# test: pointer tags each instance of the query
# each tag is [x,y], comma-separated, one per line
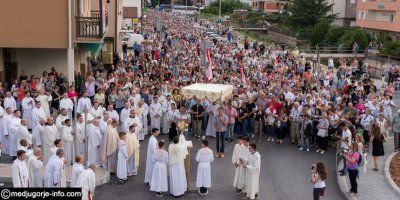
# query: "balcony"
[91,28]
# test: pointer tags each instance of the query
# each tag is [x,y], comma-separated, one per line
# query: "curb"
[387,172]
[344,188]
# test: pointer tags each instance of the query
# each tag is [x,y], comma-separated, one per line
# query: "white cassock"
[28,153]
[35,175]
[130,121]
[15,123]
[87,181]
[97,112]
[44,101]
[23,133]
[166,122]
[2,112]
[20,174]
[82,103]
[60,122]
[37,114]
[37,136]
[54,172]
[237,150]
[144,112]
[213,110]
[77,169]
[5,132]
[244,155]
[253,175]
[27,105]
[67,138]
[68,105]
[9,102]
[79,138]
[159,179]
[177,181]
[124,114]
[103,127]
[94,142]
[50,135]
[152,146]
[113,114]
[122,171]
[204,156]
[155,109]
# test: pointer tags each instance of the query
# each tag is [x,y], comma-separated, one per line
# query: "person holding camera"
[319,174]
[352,164]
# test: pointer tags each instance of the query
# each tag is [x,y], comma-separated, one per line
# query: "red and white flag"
[209,75]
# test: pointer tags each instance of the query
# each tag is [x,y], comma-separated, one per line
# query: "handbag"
[321,133]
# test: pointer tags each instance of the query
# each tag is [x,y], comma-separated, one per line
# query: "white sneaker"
[301,148]
[269,139]
[272,140]
[318,151]
[308,150]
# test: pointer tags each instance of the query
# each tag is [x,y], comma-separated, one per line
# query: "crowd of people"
[278,96]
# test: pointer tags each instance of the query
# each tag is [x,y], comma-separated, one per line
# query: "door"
[10,67]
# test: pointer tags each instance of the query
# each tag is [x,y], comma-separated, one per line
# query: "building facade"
[379,17]
[270,6]
[39,34]
[345,11]
[132,15]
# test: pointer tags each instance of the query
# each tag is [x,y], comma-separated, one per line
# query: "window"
[391,17]
[363,1]
[352,1]
[361,15]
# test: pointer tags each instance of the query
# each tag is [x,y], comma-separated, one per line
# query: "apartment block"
[270,6]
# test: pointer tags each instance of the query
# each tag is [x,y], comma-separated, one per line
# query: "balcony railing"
[91,26]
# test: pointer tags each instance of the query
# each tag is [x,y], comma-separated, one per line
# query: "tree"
[392,48]
[227,7]
[334,34]
[319,32]
[354,35]
[309,12]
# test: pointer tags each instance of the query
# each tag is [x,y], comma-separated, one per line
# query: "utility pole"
[220,8]
[318,59]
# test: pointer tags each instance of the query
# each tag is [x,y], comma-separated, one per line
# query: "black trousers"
[318,192]
[353,173]
[203,190]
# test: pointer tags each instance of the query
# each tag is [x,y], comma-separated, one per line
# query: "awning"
[93,48]
[212,92]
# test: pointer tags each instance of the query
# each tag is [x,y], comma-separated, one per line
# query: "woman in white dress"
[213,111]
[204,156]
[44,100]
[159,179]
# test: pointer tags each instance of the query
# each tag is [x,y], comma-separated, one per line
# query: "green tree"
[392,48]
[334,34]
[306,13]
[354,35]
[319,32]
[227,7]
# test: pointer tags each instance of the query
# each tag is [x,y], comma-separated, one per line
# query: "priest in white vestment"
[35,164]
[113,114]
[236,155]
[122,172]
[204,156]
[110,147]
[55,170]
[151,147]
[125,112]
[166,108]
[155,114]
[143,112]
[84,102]
[96,111]
[19,171]
[37,114]
[133,147]
[27,105]
[103,124]
[50,135]
[38,133]
[244,156]
[2,112]
[60,120]
[87,181]
[15,123]
[23,133]
[67,104]
[9,102]
[177,154]
[94,143]
[44,99]
[77,169]
[159,179]
[80,136]
[253,166]
[5,139]
[67,137]
[133,119]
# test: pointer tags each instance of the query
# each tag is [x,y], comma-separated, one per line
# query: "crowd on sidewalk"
[278,97]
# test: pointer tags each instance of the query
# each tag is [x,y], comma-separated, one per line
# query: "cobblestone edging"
[387,172]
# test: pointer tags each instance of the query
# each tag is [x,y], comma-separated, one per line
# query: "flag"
[209,75]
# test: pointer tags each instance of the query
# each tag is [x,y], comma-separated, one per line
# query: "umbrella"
[136,38]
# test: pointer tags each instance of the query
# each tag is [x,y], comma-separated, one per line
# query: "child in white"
[159,179]
[204,157]
[122,171]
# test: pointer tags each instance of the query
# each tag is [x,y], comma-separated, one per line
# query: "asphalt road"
[285,175]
